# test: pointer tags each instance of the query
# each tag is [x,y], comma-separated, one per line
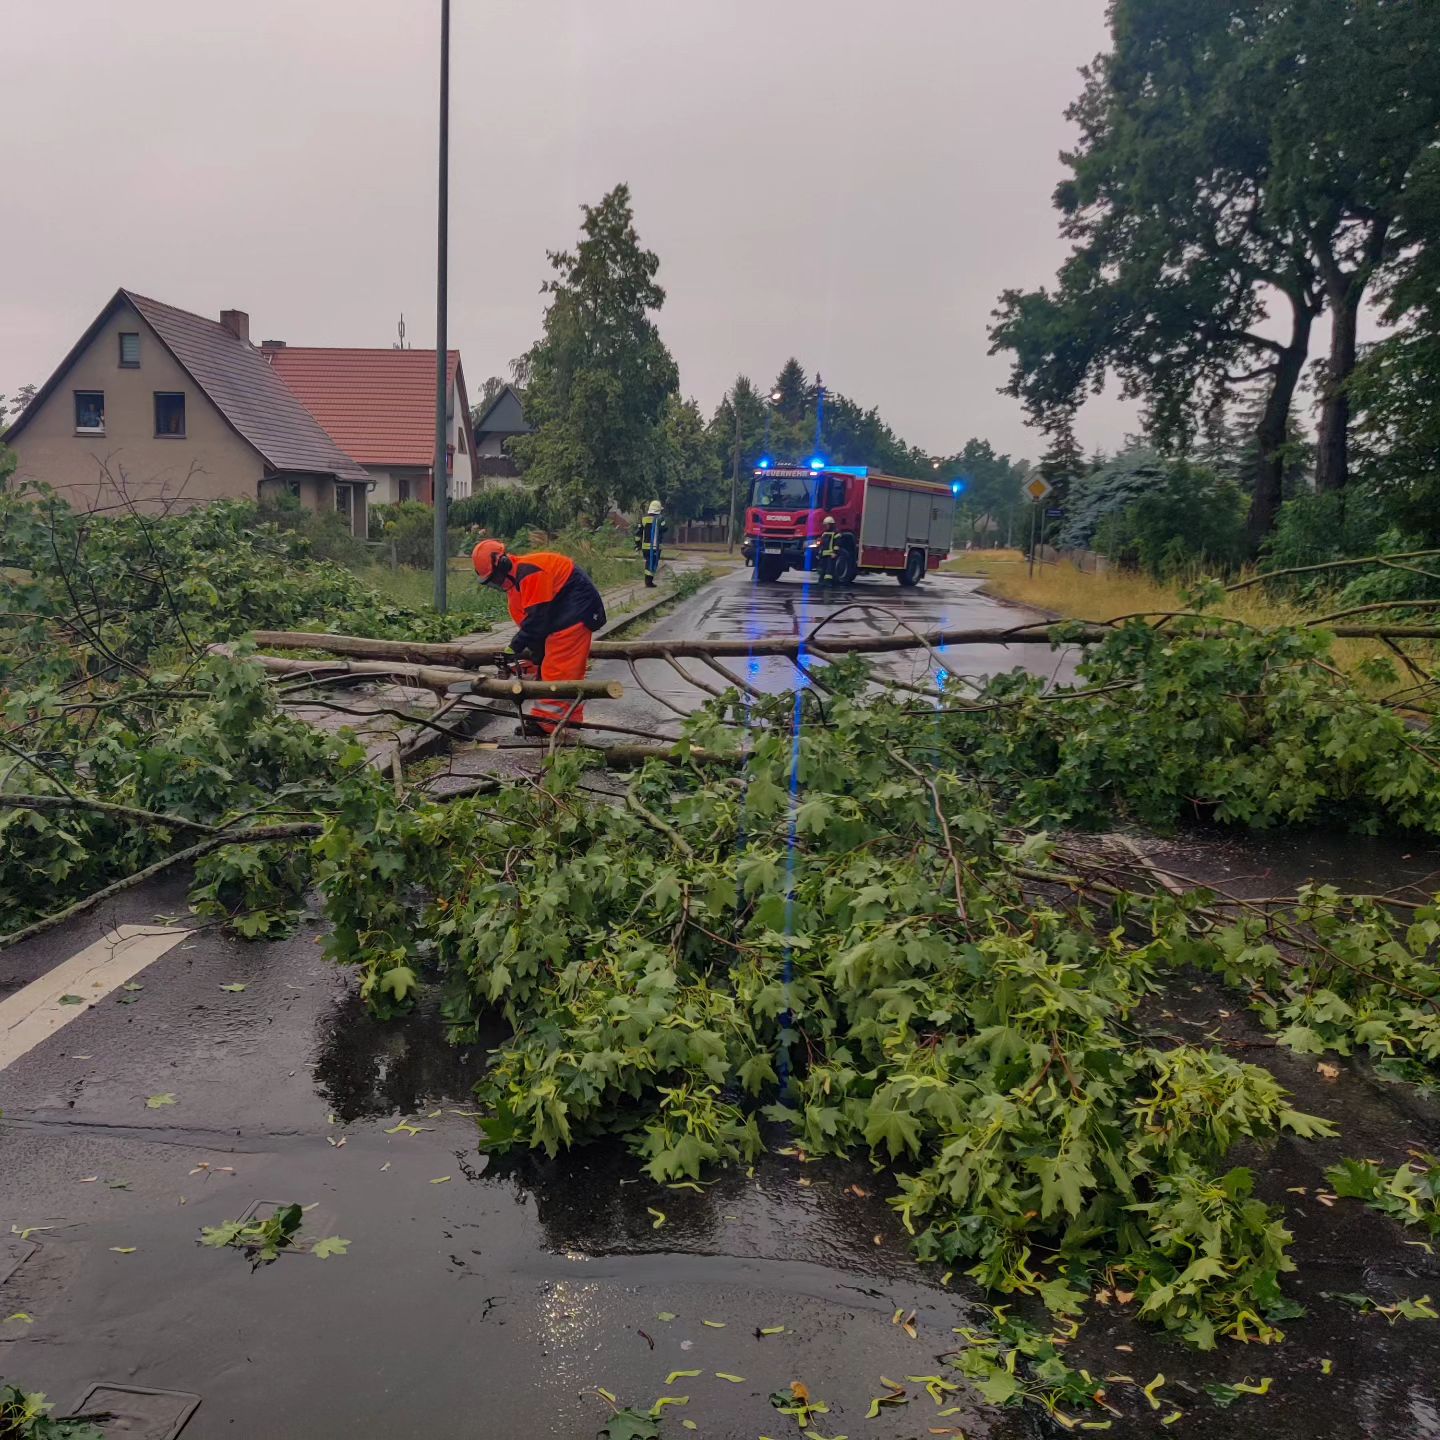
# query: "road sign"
[1037,487]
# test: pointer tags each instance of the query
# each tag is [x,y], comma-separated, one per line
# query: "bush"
[327,533]
[409,527]
[1192,520]
[1108,491]
[506,512]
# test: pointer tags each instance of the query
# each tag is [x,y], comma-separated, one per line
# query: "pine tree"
[600,375]
[792,385]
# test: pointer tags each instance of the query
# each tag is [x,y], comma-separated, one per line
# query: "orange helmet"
[490,560]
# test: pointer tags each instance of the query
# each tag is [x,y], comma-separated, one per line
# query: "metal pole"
[734,477]
[1034,506]
[440,486]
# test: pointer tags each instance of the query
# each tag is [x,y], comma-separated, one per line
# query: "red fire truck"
[887,525]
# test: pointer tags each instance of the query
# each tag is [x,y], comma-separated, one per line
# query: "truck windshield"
[788,492]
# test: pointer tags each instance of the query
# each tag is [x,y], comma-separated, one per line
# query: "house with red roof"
[379,407]
[155,408]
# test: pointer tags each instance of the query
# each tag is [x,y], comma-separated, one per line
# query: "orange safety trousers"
[567,657]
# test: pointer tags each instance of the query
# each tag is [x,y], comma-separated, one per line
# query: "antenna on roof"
[401,328]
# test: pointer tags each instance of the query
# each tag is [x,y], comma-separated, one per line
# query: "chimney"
[237,322]
[272,344]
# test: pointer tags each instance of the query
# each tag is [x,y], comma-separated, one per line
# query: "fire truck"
[887,524]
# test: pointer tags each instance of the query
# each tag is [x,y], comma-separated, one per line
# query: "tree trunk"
[1332,452]
[1272,431]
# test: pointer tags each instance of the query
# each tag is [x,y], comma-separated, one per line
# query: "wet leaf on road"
[72,999]
[157,1102]
[21,1316]
[330,1245]
[733,1379]
[132,986]
[666,1315]
[441,1180]
[770,1330]
[675,1375]
[406,1128]
[124,1249]
[660,1217]
[91,1179]
[235,988]
[30,1230]
[714,1324]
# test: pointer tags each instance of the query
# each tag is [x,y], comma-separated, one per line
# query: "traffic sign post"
[1037,488]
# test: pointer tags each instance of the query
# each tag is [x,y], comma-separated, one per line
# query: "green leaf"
[72,1000]
[399,982]
[330,1245]
[234,989]
[158,1102]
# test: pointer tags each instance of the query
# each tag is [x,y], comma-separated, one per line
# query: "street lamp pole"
[440,484]
[734,475]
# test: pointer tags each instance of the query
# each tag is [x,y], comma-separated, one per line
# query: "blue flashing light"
[764,462]
[817,462]
[957,487]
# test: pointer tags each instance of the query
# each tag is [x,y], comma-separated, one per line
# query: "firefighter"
[829,550]
[649,531]
[558,609]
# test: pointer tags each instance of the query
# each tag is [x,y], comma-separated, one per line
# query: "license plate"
[774,549]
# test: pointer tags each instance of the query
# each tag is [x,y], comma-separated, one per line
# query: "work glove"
[506,663]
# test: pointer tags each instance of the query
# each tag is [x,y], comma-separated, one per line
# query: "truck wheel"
[768,569]
[914,571]
[846,567]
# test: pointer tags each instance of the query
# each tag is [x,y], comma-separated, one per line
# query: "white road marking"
[35,1013]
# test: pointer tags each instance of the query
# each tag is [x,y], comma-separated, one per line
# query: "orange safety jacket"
[551,593]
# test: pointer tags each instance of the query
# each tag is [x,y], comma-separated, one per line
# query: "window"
[461,433]
[345,503]
[129,350]
[169,414]
[89,412]
[402,490]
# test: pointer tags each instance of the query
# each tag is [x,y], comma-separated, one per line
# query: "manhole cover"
[138,1411]
[313,1224]
[13,1254]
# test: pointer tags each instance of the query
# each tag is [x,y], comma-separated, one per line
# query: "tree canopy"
[599,377]
[1235,156]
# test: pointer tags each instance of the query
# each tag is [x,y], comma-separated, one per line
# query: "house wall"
[319,493]
[209,462]
[460,439]
[387,483]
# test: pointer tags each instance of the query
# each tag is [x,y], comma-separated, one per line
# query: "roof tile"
[233,373]
[378,404]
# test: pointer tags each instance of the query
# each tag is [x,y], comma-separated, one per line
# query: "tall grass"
[1063,589]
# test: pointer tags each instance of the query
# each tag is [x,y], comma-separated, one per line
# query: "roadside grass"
[1064,589]
[608,561]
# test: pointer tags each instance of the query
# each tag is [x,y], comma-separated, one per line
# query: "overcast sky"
[849,181]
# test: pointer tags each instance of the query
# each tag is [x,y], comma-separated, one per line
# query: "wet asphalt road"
[488,1300]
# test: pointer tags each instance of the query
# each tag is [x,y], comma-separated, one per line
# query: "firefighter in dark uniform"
[829,550]
[649,532]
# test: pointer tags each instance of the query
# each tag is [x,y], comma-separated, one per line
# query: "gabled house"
[159,408]
[379,406]
[501,420]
